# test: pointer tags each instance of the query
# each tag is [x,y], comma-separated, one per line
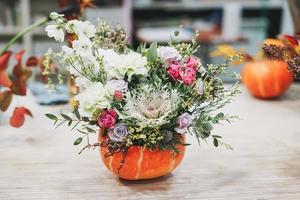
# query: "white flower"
[71,26]
[151,106]
[116,85]
[82,29]
[83,45]
[117,66]
[86,28]
[168,54]
[134,63]
[67,50]
[55,15]
[92,98]
[56,32]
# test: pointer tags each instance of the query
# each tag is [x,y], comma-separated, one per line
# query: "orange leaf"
[19,56]
[4,58]
[18,117]
[32,61]
[4,79]
[19,88]
[5,99]
[18,67]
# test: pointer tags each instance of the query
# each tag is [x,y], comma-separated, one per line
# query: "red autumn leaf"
[19,56]
[19,88]
[5,99]
[4,78]
[18,117]
[4,58]
[291,39]
[17,68]
[32,61]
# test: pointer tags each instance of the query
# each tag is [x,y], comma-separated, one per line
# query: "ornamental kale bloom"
[183,121]
[118,133]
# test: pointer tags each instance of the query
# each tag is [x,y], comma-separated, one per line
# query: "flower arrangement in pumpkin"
[140,102]
[263,75]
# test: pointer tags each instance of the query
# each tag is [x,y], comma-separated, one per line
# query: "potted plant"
[142,102]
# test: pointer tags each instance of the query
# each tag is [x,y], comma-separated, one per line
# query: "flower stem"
[23,32]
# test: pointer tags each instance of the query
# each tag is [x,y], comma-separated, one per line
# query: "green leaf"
[76,113]
[90,130]
[216,136]
[51,116]
[152,52]
[66,117]
[85,119]
[77,141]
[70,123]
[216,142]
[220,115]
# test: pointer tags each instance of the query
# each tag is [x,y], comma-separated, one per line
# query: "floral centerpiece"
[141,103]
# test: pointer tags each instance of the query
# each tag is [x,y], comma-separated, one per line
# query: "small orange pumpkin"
[141,163]
[267,78]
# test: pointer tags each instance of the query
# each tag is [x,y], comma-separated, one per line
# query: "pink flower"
[118,95]
[188,80]
[188,75]
[107,119]
[173,70]
[192,62]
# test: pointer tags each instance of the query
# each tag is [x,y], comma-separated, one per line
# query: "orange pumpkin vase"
[140,163]
[267,79]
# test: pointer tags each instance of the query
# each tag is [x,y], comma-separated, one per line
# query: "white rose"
[56,32]
[168,54]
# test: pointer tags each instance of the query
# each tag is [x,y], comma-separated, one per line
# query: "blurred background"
[241,23]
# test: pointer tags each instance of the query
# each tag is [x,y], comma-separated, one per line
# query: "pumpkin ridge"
[139,163]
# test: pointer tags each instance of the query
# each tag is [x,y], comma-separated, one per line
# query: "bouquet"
[141,102]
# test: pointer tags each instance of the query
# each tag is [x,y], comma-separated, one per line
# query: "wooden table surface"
[38,162]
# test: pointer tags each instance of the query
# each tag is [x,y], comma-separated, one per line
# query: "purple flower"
[168,54]
[119,132]
[183,121]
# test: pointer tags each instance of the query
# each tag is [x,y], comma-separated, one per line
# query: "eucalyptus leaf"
[51,116]
[77,141]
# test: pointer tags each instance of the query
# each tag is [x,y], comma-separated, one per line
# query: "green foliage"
[152,52]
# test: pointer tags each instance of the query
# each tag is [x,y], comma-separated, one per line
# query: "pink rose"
[118,95]
[188,80]
[188,75]
[107,119]
[173,70]
[192,62]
